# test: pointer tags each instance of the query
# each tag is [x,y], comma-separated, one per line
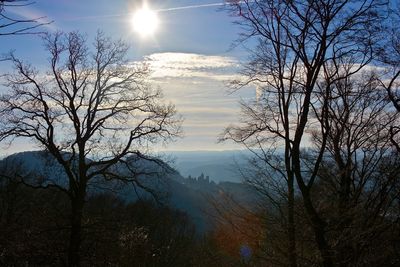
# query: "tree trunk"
[318,226]
[323,247]
[345,253]
[76,231]
[291,224]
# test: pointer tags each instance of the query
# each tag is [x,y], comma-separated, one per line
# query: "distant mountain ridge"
[220,166]
[191,195]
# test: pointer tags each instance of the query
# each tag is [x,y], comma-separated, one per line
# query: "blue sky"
[190,54]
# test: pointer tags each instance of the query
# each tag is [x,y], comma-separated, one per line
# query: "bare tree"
[91,110]
[357,178]
[297,39]
[12,25]
[388,58]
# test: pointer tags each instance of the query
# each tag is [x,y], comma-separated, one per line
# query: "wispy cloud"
[195,84]
[190,65]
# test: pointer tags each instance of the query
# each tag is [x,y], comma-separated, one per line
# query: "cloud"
[195,84]
[190,65]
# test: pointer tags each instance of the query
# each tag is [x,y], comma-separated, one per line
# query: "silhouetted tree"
[297,40]
[387,50]
[90,111]
[357,178]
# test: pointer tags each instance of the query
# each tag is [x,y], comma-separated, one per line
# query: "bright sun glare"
[145,21]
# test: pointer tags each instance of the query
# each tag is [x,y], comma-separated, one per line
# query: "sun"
[145,21]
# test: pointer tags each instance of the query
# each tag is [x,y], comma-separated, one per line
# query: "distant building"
[204,180]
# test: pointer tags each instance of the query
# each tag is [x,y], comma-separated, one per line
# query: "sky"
[190,54]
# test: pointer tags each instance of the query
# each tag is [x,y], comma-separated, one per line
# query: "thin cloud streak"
[200,6]
[156,10]
[189,7]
